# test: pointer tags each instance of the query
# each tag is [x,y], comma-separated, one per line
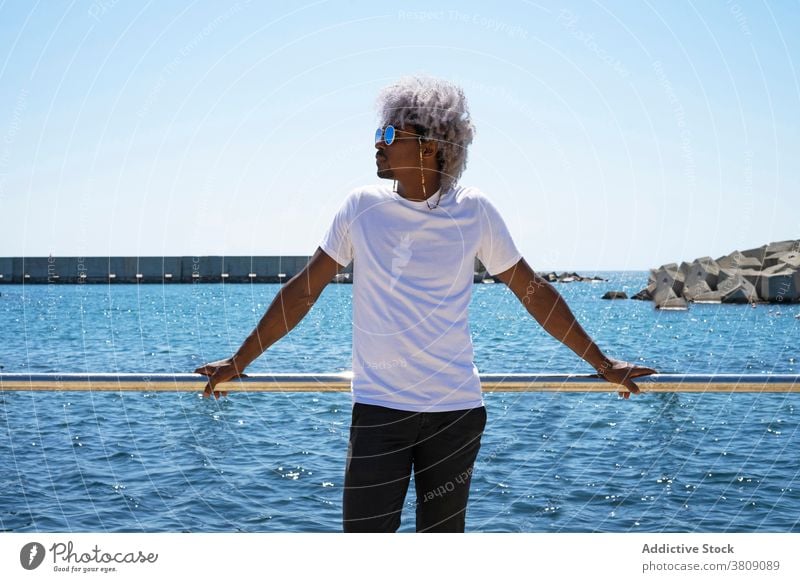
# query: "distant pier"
[187,269]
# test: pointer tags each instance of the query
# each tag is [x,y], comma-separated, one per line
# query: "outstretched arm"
[548,308]
[288,308]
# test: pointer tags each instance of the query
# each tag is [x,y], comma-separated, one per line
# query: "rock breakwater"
[767,274]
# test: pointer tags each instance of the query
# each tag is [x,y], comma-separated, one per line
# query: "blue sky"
[611,135]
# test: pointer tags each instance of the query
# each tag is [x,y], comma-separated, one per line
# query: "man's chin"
[386,174]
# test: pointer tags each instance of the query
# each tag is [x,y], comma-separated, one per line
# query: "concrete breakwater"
[769,273]
[185,269]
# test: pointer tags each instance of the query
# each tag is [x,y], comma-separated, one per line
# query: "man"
[416,391]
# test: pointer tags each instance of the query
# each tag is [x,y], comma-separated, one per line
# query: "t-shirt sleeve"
[496,250]
[337,243]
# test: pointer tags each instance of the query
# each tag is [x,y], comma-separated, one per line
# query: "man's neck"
[416,192]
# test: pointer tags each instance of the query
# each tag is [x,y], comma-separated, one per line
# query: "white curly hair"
[438,110]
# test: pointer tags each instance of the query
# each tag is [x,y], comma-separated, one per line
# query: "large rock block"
[669,282]
[738,260]
[789,259]
[671,302]
[736,289]
[702,275]
[757,254]
[778,285]
[615,295]
[710,297]
[646,294]
[752,276]
[797,284]
[783,246]
[698,288]
[726,273]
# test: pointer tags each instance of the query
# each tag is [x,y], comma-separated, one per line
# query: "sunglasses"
[386,134]
[389,133]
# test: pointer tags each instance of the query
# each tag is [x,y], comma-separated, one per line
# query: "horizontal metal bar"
[341,383]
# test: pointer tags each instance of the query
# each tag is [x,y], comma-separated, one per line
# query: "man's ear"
[429,148]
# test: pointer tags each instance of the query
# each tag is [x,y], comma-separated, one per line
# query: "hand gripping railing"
[341,383]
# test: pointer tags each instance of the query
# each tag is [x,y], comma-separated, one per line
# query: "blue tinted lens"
[385,133]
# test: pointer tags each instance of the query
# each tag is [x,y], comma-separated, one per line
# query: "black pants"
[386,443]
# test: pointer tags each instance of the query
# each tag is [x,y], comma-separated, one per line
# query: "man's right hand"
[218,372]
[288,307]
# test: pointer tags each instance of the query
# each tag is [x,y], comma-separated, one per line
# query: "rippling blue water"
[274,462]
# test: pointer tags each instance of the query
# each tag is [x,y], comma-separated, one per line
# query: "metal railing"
[341,383]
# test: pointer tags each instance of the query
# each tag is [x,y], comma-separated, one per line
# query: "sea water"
[549,462]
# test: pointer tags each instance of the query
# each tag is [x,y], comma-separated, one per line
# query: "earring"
[422,175]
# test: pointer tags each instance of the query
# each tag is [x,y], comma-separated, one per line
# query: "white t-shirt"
[412,284]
